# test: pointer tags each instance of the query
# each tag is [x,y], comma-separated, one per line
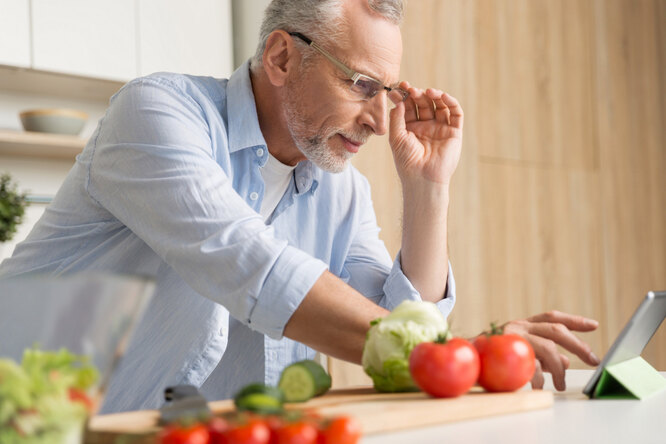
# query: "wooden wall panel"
[534,60]
[559,201]
[631,84]
[540,242]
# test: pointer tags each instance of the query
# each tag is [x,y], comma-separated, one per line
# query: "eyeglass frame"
[353,75]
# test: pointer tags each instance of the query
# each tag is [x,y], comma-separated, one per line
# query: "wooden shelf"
[40,145]
[32,81]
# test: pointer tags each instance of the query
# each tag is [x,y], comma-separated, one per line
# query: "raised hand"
[426,135]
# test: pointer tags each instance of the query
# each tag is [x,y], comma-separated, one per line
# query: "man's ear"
[280,56]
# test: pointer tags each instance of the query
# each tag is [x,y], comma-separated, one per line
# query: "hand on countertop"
[545,332]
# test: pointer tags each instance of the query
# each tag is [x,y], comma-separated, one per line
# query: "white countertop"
[573,419]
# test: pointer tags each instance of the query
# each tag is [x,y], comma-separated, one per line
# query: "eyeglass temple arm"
[348,71]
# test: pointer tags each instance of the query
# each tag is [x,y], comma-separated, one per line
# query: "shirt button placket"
[254,195]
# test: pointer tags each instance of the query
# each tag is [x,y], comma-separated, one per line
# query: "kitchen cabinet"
[15,33]
[192,37]
[117,40]
[92,38]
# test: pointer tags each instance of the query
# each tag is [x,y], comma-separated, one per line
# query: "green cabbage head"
[390,340]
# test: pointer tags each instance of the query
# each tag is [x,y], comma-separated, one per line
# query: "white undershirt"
[276,176]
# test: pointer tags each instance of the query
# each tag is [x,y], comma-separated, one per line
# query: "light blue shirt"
[169,186]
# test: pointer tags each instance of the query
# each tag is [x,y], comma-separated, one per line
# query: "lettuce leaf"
[391,339]
[35,404]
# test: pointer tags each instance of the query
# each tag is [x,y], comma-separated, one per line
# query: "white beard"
[315,146]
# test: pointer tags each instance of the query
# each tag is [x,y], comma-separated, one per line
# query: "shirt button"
[254,196]
[260,152]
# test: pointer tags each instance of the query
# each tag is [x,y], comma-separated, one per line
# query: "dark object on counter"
[183,401]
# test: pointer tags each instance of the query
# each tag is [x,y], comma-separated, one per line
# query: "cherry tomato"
[253,431]
[217,429]
[196,433]
[444,370]
[299,432]
[507,362]
[340,430]
[274,423]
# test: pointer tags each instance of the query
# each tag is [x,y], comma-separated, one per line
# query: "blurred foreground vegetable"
[293,427]
[44,399]
[390,340]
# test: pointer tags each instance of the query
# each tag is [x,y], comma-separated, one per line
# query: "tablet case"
[630,379]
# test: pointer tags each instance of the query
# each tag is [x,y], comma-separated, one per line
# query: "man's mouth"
[351,145]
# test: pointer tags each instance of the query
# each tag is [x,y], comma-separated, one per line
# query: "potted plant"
[12,208]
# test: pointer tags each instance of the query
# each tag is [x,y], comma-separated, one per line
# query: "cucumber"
[303,380]
[259,398]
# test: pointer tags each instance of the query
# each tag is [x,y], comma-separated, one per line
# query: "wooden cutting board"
[377,412]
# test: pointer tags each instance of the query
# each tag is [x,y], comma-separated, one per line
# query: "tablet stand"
[630,379]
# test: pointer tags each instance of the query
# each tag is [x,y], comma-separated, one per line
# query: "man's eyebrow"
[379,78]
[376,77]
[360,71]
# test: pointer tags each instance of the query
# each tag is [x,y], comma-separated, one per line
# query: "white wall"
[247,16]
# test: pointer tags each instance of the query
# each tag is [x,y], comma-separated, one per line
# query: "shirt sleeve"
[369,269]
[152,169]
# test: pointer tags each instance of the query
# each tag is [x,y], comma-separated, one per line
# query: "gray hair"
[320,20]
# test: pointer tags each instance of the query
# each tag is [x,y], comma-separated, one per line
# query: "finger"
[562,336]
[455,109]
[537,379]
[395,97]
[411,110]
[426,109]
[546,352]
[442,113]
[572,322]
[565,362]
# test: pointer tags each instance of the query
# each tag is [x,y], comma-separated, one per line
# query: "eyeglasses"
[365,86]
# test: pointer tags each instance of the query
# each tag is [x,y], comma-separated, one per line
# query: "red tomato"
[507,362]
[444,370]
[79,395]
[299,432]
[341,430]
[274,423]
[217,429]
[254,431]
[179,434]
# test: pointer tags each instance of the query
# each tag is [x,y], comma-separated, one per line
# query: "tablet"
[634,336]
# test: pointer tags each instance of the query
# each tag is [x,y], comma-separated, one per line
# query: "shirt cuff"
[398,288]
[291,278]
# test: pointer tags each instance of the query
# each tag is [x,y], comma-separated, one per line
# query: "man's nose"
[375,114]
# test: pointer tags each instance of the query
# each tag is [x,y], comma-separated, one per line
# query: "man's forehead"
[372,43]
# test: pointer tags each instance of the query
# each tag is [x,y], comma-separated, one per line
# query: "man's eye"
[366,88]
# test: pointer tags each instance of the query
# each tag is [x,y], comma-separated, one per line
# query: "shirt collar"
[243,123]
[306,176]
[244,131]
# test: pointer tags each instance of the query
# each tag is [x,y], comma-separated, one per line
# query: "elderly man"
[237,197]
